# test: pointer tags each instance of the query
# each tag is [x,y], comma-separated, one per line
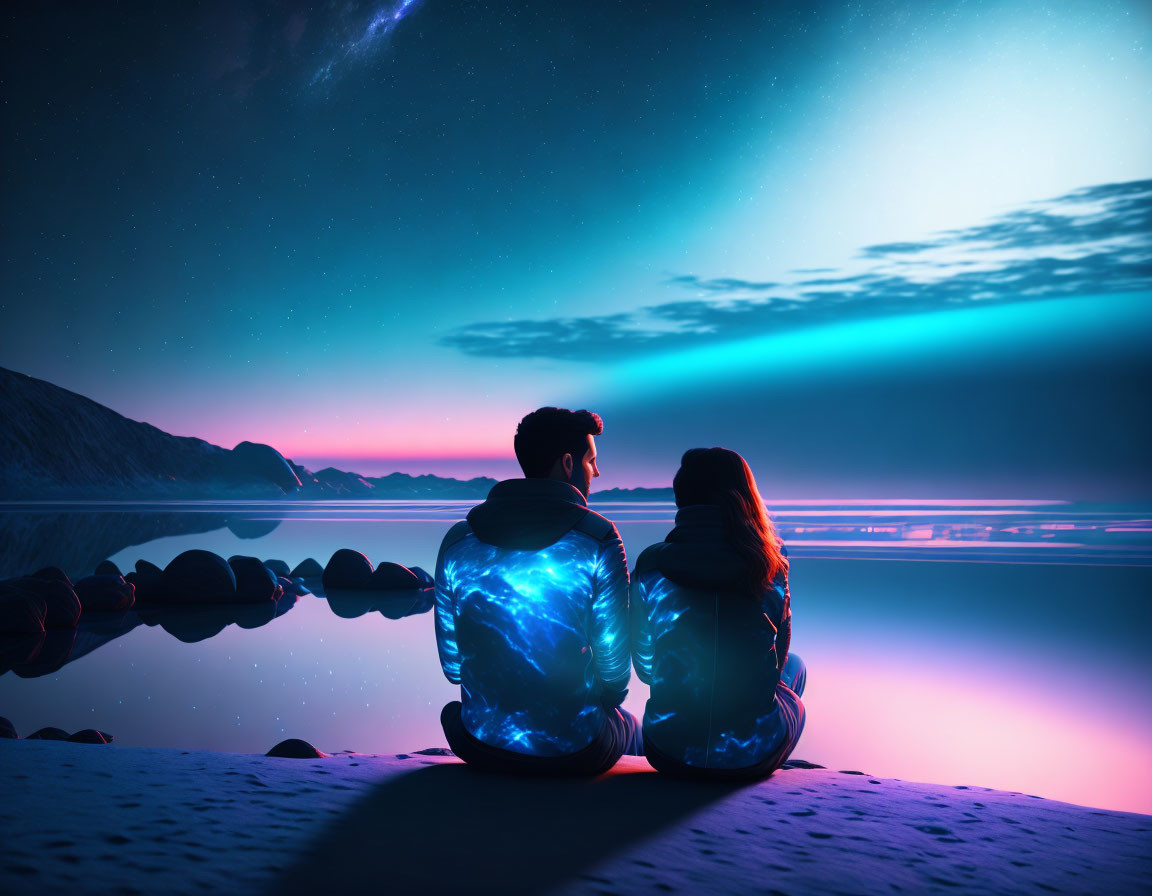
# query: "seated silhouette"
[532,614]
[711,624]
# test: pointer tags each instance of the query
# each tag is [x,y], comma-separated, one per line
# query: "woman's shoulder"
[649,559]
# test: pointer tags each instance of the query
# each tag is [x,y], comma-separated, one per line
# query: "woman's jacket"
[709,649]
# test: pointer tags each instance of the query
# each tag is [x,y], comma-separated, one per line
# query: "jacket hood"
[696,552]
[528,514]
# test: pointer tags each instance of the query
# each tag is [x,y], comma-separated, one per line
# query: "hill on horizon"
[57,444]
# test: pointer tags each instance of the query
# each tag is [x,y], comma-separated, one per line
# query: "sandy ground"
[80,818]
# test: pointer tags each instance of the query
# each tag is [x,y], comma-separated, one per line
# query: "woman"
[711,623]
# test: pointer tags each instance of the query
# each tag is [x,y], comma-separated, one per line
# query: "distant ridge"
[58,445]
[633,494]
[332,483]
[55,444]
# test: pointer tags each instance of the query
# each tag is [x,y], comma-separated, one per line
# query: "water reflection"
[36,655]
[349,604]
[1021,664]
[43,653]
[191,624]
[76,538]
[33,655]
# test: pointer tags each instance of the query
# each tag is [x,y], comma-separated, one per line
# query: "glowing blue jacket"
[710,651]
[532,617]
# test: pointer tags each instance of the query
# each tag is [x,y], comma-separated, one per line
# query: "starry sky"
[881,249]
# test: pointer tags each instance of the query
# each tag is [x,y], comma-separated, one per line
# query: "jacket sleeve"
[641,628]
[446,607]
[784,627]
[610,619]
[784,630]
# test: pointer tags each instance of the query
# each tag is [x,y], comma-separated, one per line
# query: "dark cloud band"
[1092,241]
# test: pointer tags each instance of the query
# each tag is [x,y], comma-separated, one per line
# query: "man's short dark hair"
[547,434]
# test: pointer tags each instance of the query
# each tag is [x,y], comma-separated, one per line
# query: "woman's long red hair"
[722,478]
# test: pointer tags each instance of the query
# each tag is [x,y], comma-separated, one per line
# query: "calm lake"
[1001,644]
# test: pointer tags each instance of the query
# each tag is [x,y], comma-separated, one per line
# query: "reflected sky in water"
[998,645]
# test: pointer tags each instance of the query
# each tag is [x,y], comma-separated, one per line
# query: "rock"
[801,763]
[105,593]
[350,604]
[54,653]
[256,614]
[62,607]
[192,624]
[292,586]
[107,568]
[264,462]
[425,577]
[198,577]
[7,729]
[278,567]
[307,569]
[90,736]
[243,527]
[18,650]
[53,572]
[398,604]
[435,751]
[348,569]
[254,581]
[61,603]
[49,734]
[20,612]
[393,577]
[148,578]
[294,748]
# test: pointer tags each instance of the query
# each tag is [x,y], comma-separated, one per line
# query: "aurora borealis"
[881,249]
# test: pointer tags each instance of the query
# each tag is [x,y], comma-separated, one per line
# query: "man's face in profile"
[585,470]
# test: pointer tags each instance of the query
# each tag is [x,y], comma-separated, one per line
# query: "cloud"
[721,284]
[1092,241]
[1090,214]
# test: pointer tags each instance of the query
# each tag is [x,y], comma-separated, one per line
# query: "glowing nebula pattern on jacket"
[710,657]
[537,639]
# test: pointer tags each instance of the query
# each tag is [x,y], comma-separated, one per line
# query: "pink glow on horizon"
[879,511]
[965,719]
[946,543]
[917,502]
[504,453]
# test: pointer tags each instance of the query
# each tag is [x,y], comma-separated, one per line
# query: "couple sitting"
[535,622]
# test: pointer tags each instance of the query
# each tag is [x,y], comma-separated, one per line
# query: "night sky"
[884,250]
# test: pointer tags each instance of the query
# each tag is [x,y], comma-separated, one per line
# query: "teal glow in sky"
[387,231]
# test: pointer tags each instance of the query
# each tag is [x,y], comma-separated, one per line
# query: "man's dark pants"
[618,735]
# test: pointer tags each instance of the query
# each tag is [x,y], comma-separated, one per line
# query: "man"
[532,614]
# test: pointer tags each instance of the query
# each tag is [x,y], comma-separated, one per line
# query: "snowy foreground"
[82,818]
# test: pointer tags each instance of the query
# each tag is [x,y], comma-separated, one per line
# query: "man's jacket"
[710,650]
[532,617]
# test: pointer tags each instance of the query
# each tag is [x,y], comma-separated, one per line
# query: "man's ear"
[567,463]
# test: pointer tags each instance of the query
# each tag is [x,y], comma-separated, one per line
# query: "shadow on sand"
[448,828]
